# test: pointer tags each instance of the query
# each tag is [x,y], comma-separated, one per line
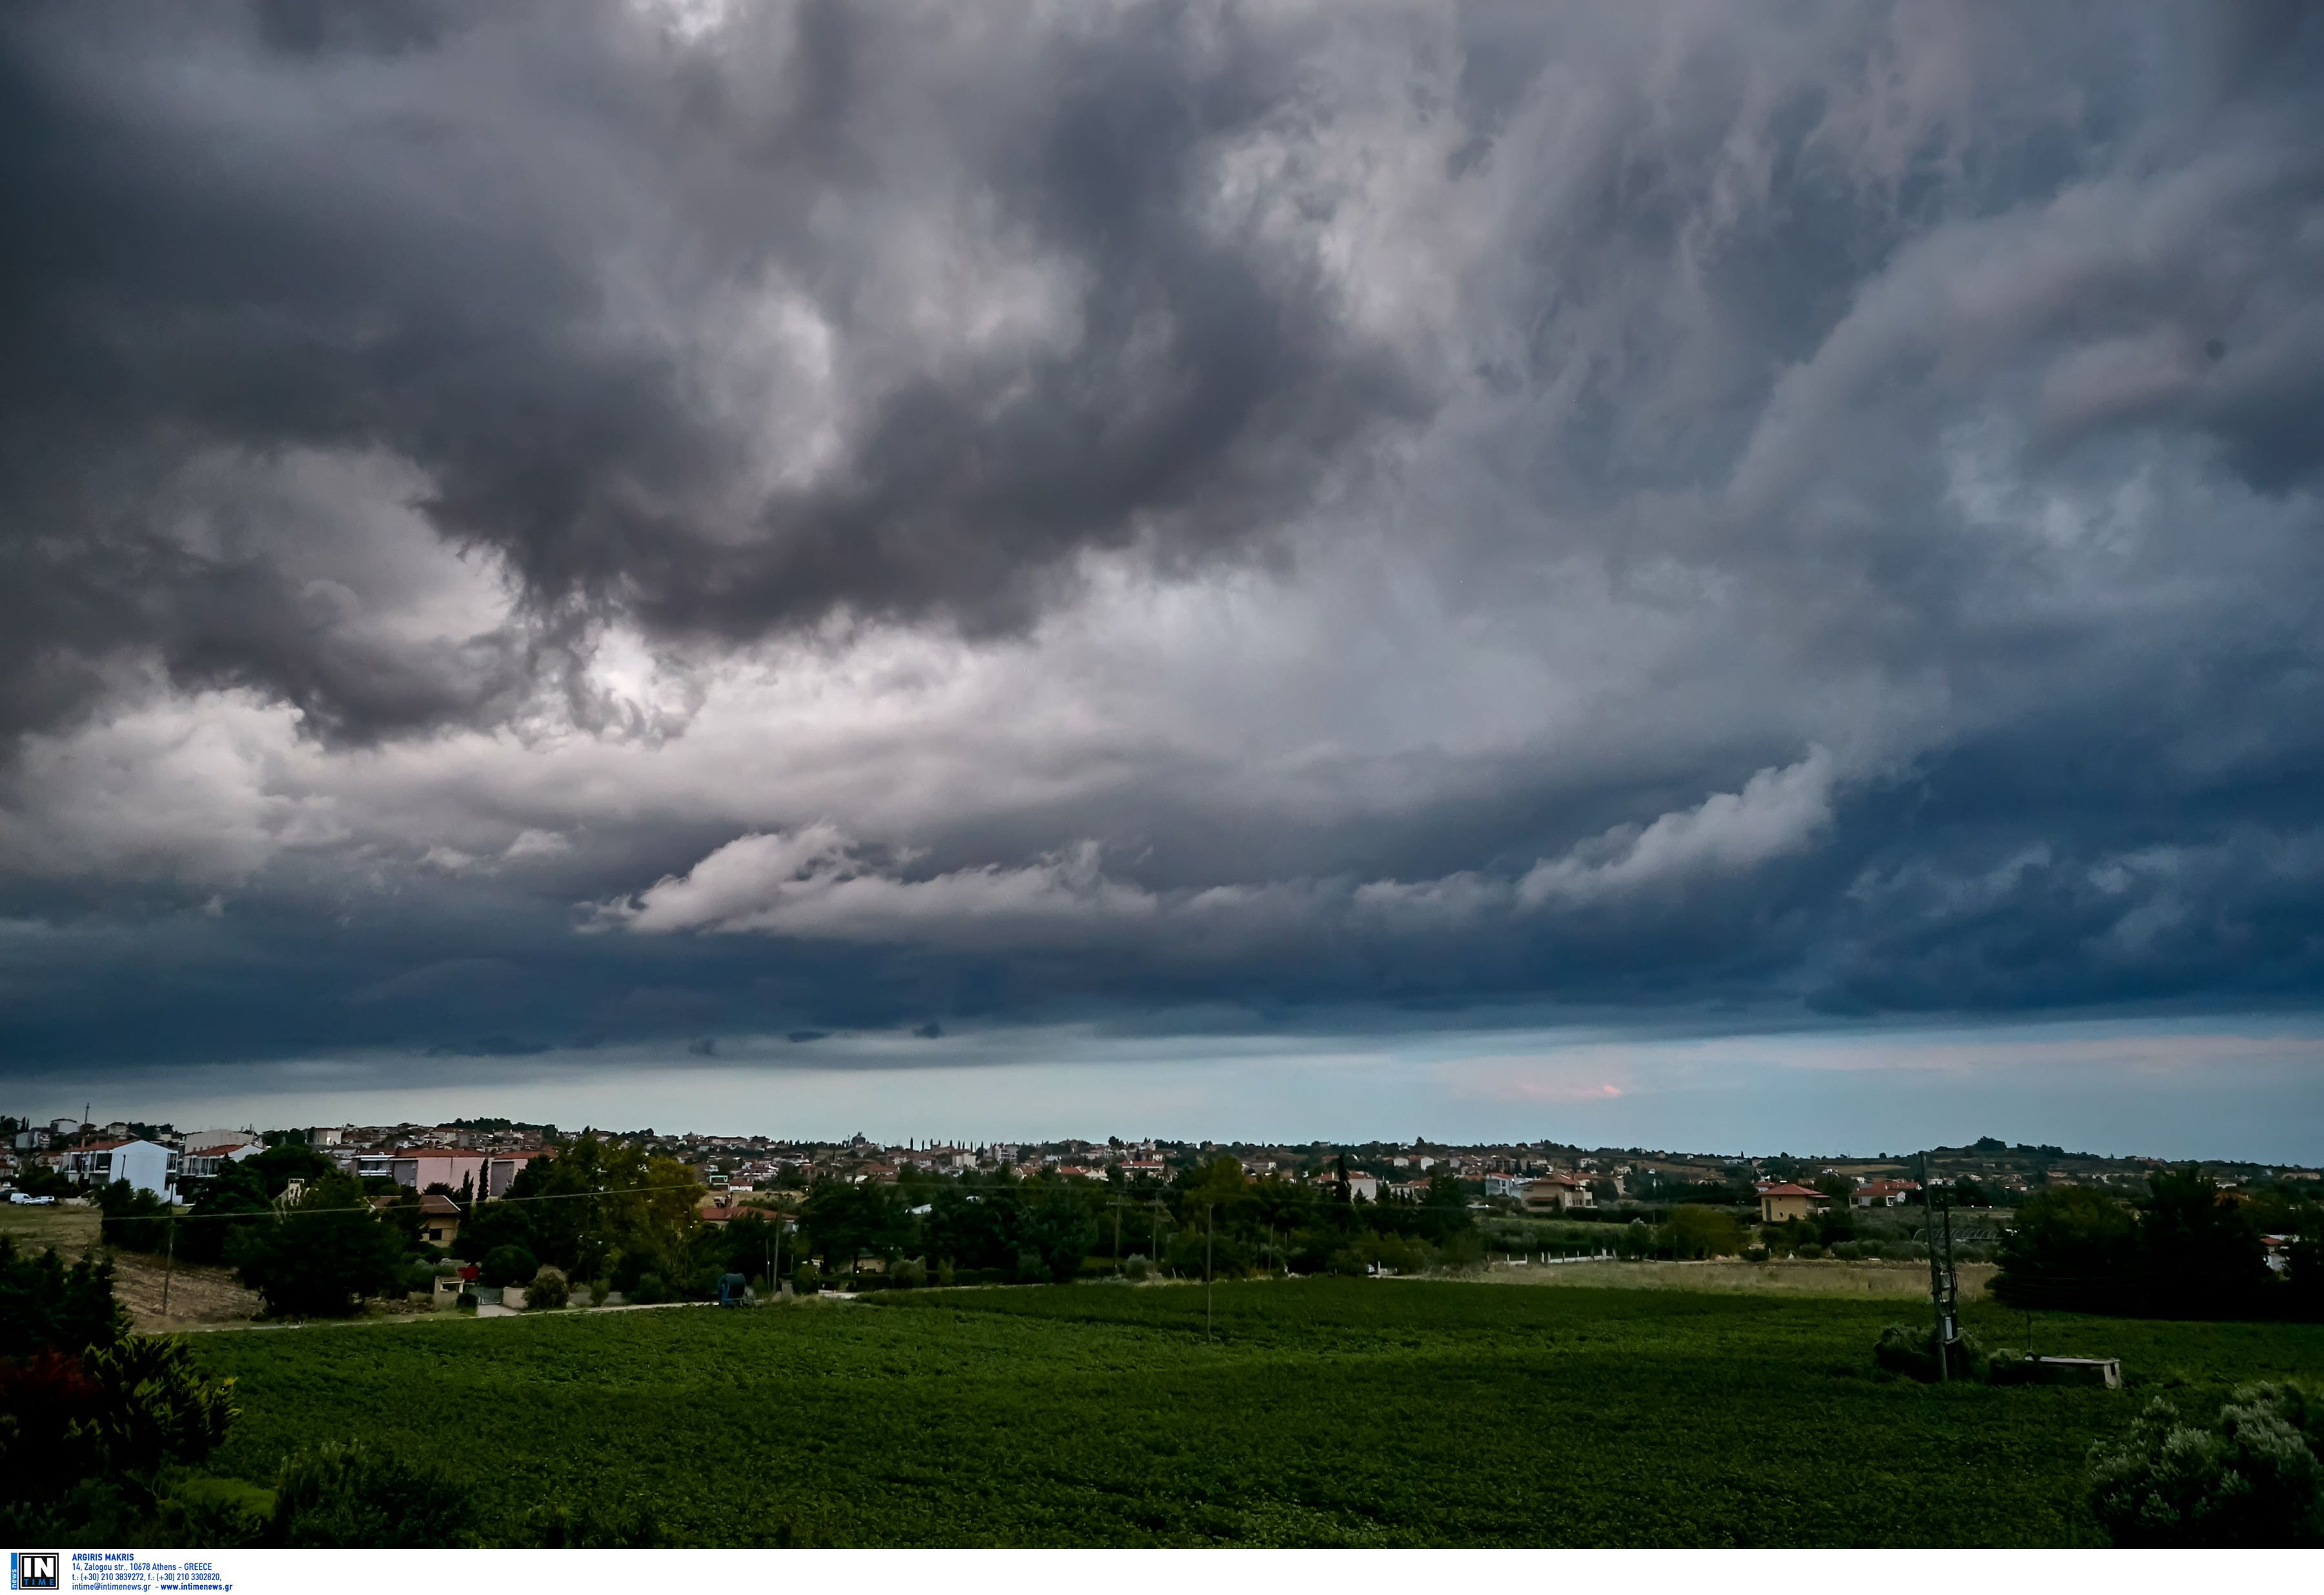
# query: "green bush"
[89,1432]
[508,1265]
[2250,1479]
[1911,1349]
[560,1526]
[649,1290]
[135,1220]
[348,1496]
[45,1305]
[548,1290]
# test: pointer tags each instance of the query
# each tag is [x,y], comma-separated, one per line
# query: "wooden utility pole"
[1943,1284]
[169,1261]
[1209,1228]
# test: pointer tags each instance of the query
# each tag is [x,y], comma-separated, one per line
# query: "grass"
[70,1230]
[1326,1412]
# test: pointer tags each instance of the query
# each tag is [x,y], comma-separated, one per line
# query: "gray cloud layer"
[883,514]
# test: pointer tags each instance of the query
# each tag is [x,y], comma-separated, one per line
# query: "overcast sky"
[1197,569]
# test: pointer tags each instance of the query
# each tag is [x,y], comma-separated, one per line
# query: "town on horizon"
[1999,1173]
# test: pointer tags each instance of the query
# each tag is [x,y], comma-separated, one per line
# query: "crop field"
[1324,1413]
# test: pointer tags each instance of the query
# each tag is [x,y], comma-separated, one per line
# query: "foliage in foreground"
[2249,1478]
[96,1425]
[342,1495]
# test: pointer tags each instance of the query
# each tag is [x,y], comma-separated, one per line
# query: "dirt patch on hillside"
[197,1294]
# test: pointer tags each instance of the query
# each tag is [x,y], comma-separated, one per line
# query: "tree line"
[2185,1250]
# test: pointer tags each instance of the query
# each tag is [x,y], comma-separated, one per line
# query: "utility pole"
[1209,1228]
[1942,1283]
[169,1261]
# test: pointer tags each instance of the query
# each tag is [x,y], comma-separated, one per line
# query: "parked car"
[19,1199]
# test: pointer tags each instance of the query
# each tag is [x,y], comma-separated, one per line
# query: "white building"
[146,1165]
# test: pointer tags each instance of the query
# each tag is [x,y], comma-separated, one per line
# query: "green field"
[1327,1412]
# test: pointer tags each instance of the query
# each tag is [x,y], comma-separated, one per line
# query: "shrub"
[215,1513]
[1463,1249]
[549,1291]
[1138,1266]
[1693,1230]
[2251,1478]
[558,1525]
[45,1305]
[508,1265]
[649,1290]
[351,1497]
[1911,1349]
[1809,1251]
[806,1278]
[135,1220]
[109,1415]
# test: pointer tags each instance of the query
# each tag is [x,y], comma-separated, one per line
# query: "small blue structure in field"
[730,1289]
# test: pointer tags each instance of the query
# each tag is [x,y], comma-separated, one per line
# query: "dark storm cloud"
[1781,506]
[494,245]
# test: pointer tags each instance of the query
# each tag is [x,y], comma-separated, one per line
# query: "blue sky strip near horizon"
[1743,575]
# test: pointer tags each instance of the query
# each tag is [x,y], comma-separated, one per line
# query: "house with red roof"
[1884,1193]
[1778,1202]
